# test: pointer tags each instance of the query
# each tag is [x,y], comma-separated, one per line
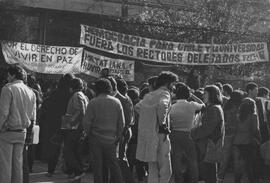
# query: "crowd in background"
[162,131]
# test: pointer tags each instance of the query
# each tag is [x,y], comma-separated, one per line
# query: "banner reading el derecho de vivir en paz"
[172,52]
[43,58]
[92,64]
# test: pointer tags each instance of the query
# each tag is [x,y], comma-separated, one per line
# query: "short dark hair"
[65,81]
[152,81]
[182,91]
[166,77]
[251,86]
[214,94]
[235,100]
[122,86]
[113,83]
[103,86]
[18,72]
[228,88]
[262,91]
[77,84]
[219,85]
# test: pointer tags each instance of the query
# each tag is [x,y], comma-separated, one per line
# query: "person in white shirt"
[182,117]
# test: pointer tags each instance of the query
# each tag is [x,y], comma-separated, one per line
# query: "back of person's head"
[18,72]
[122,86]
[199,93]
[228,89]
[251,86]
[31,80]
[105,72]
[103,86]
[144,85]
[113,83]
[247,108]
[263,92]
[235,99]
[152,81]
[166,77]
[144,92]
[219,85]
[77,84]
[65,81]
[182,91]
[133,95]
[214,94]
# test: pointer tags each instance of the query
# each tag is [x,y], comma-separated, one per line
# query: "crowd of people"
[162,131]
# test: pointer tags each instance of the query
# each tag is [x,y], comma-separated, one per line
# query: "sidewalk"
[40,169]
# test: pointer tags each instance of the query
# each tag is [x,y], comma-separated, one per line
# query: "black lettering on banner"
[88,66]
[163,56]
[179,57]
[237,58]
[64,51]
[195,58]
[24,47]
[225,58]
[145,53]
[34,57]
[261,55]
[231,58]
[139,52]
[72,51]
[46,58]
[11,44]
[206,58]
[190,58]
[125,50]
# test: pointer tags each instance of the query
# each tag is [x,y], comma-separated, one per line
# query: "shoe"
[71,176]
[49,174]
[77,177]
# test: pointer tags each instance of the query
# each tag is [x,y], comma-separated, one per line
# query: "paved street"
[38,176]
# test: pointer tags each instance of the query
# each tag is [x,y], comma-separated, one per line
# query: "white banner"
[172,52]
[43,58]
[92,64]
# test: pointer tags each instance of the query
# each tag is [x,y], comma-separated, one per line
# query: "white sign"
[43,58]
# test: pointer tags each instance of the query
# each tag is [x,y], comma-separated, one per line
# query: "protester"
[183,152]
[210,134]
[18,109]
[104,122]
[153,142]
[247,141]
[231,110]
[53,108]
[74,115]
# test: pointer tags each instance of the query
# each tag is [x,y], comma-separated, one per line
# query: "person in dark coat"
[54,107]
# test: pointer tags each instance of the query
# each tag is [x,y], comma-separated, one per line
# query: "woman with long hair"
[231,119]
[246,141]
[210,134]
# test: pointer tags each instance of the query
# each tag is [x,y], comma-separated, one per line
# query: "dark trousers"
[141,167]
[31,154]
[184,157]
[104,154]
[208,172]
[72,152]
[246,159]
[52,160]
[25,165]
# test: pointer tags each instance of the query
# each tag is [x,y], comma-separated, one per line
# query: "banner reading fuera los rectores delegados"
[172,52]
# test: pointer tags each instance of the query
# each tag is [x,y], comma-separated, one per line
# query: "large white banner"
[172,52]
[43,58]
[92,64]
